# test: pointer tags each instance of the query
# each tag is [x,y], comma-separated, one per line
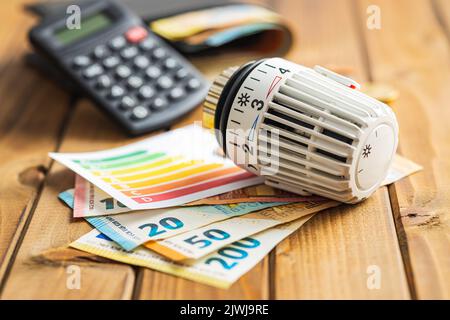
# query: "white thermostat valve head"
[308,131]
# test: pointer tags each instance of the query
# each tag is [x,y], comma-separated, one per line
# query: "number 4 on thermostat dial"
[308,131]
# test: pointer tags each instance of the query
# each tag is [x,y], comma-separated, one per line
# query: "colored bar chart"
[167,170]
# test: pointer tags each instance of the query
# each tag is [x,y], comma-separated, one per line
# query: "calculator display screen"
[88,26]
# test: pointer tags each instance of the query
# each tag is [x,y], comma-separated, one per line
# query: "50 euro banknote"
[132,229]
[197,243]
[200,242]
[220,269]
[92,201]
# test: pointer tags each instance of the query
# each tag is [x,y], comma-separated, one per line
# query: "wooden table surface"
[402,229]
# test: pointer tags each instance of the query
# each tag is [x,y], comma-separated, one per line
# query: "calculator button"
[193,84]
[181,74]
[81,61]
[139,113]
[93,71]
[111,62]
[123,72]
[135,82]
[129,52]
[141,62]
[165,82]
[148,44]
[127,102]
[159,103]
[136,34]
[159,53]
[117,43]
[146,92]
[153,72]
[176,93]
[116,91]
[104,81]
[170,63]
[100,52]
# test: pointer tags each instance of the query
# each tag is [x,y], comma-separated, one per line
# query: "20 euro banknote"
[200,242]
[132,229]
[220,268]
[135,228]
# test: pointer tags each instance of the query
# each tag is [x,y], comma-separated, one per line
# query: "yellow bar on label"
[152,173]
[168,178]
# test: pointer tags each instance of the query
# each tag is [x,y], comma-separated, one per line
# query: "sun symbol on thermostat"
[366,151]
[243,99]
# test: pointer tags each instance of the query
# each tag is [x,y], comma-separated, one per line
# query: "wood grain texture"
[32,114]
[329,257]
[411,51]
[52,226]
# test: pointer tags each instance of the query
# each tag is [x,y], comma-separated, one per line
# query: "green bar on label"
[131,161]
[119,157]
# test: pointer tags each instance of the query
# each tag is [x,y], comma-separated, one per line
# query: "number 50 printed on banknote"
[170,169]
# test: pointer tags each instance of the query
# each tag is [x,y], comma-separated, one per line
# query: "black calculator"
[127,70]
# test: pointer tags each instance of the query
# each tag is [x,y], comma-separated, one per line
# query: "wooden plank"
[33,111]
[329,257]
[411,52]
[51,226]
[253,285]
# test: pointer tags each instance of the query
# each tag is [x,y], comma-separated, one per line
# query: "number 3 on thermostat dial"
[308,131]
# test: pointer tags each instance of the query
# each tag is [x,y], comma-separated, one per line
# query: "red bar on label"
[197,188]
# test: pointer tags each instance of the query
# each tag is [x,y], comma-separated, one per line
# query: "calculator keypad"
[135,74]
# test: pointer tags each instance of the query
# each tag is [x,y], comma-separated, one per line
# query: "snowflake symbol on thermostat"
[243,99]
[366,151]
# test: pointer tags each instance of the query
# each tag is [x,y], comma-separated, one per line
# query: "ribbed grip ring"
[212,98]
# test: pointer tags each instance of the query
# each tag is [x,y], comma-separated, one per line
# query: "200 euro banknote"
[220,268]
[199,242]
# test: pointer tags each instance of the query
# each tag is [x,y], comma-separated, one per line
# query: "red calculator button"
[136,34]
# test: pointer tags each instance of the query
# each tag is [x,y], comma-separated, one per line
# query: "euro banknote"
[92,201]
[126,228]
[135,228]
[67,197]
[219,269]
[130,230]
[259,193]
[199,242]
